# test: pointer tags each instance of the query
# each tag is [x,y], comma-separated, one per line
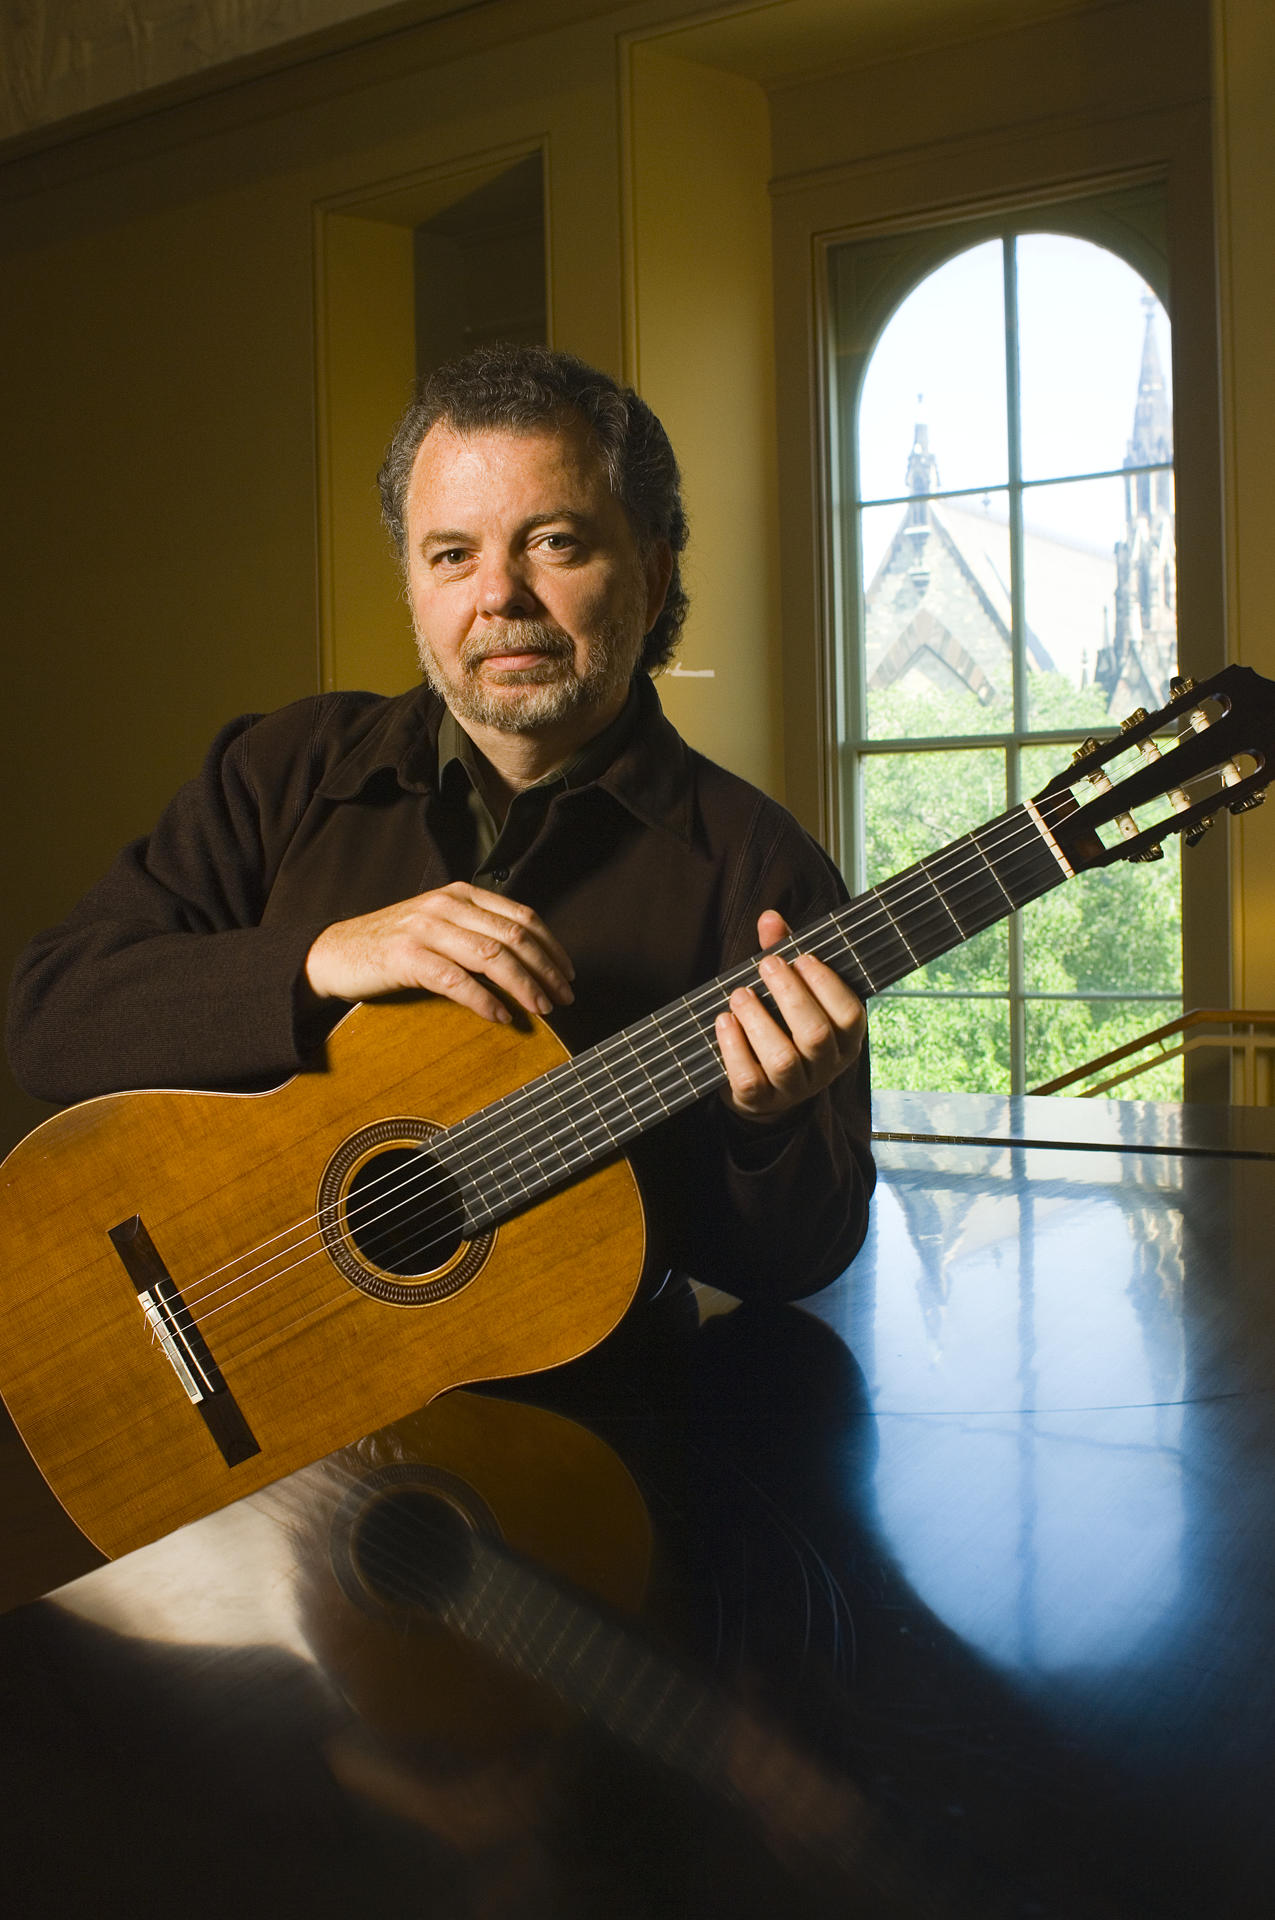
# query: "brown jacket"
[180,967]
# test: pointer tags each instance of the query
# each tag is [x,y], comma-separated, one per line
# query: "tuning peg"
[1135,719]
[1195,834]
[1247,805]
[1152,853]
[1180,684]
[1151,753]
[1084,750]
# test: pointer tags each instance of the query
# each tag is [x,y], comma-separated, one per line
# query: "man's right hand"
[450,942]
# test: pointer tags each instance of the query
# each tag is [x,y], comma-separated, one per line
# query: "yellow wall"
[1244,70]
[701,351]
[365,302]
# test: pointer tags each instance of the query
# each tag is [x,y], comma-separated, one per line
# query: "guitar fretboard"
[539,1137]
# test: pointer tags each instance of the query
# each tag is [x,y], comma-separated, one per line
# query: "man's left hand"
[774,1063]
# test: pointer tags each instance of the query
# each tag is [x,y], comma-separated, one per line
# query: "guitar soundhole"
[392,1218]
[404,1213]
[403,1540]
[414,1549]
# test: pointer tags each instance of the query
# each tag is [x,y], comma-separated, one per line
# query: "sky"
[941,360]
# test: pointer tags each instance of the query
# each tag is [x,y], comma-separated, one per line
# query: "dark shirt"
[182,967]
[474,845]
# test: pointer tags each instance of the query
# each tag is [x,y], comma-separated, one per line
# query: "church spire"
[1151,443]
[923,473]
[923,468]
[1135,667]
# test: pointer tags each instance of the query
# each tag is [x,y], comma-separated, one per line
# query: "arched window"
[1005,567]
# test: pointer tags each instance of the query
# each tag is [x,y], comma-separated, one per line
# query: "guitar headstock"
[1207,749]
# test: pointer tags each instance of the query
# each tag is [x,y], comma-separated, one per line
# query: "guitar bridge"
[185,1348]
[159,1315]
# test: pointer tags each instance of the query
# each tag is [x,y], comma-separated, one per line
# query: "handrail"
[1230,1017]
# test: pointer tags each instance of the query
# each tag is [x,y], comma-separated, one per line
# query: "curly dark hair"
[521,389]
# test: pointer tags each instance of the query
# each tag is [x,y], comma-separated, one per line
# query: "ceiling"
[63,58]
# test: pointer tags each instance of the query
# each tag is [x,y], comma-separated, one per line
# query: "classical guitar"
[204,1292]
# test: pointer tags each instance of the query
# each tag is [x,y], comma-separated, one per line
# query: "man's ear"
[659,571]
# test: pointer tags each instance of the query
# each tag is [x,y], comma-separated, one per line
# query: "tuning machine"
[1232,777]
[1100,780]
[1195,834]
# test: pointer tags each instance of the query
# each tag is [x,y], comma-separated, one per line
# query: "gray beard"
[548,692]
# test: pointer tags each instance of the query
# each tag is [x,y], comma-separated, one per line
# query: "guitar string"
[522,1097]
[1017,832]
[712,991]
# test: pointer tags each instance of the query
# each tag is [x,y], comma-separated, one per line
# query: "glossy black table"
[949,1593]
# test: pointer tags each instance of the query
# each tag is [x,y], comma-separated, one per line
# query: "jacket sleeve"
[770,1211]
[161,975]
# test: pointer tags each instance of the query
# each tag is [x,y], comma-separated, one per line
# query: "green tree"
[1116,930]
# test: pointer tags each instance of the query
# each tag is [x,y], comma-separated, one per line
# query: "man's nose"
[504,589]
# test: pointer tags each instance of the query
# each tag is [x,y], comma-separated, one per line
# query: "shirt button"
[498,876]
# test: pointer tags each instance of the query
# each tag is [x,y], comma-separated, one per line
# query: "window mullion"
[1018,621]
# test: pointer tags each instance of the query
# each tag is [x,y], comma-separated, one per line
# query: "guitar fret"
[942,899]
[899,930]
[587,1151]
[605,1064]
[678,1065]
[991,869]
[602,1121]
[542,1132]
[457,1149]
[892,957]
[646,1079]
[861,977]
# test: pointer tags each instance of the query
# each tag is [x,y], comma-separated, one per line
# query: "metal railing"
[1249,1038]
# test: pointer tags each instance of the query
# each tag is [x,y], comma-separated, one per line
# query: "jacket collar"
[650,775]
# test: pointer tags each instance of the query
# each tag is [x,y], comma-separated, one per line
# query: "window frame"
[1128,222]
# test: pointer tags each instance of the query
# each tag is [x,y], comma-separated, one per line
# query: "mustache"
[531,636]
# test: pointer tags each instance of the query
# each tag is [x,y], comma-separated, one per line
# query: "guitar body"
[311,1342]
[521,1482]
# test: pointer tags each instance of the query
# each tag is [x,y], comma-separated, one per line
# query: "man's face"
[529,594]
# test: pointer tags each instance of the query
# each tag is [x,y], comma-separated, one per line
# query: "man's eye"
[558,542]
[450,556]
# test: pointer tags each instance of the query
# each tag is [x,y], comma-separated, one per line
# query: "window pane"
[1117,928]
[940,359]
[1099,572]
[915,803]
[938,629]
[1093,338]
[945,1046]
[1065,1034]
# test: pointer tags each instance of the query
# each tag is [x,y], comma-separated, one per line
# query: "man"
[525,827]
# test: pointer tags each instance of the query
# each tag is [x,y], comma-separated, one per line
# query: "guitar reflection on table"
[484,1564]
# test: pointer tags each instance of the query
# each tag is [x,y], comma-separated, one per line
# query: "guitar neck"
[579,1113]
